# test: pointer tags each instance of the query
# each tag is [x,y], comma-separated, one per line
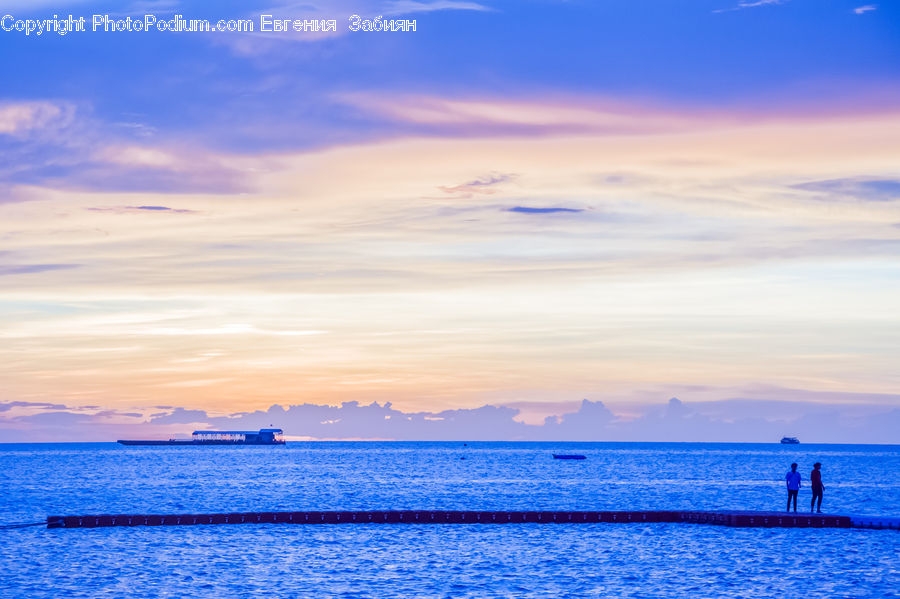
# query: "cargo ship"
[789,441]
[264,436]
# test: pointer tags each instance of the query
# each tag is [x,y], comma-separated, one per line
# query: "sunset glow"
[451,243]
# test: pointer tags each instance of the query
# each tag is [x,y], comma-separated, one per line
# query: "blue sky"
[280,93]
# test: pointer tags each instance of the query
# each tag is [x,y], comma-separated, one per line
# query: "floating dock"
[874,522]
[724,518]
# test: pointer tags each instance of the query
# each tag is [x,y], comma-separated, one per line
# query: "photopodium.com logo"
[109,24]
[178,24]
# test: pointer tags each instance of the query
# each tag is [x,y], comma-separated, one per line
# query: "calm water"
[658,560]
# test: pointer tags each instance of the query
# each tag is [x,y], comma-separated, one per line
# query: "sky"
[590,220]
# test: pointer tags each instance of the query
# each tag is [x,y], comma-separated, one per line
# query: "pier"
[744,519]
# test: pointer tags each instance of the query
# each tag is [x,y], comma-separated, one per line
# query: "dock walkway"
[720,518]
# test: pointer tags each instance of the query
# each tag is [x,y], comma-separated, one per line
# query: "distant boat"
[568,456]
[789,440]
[264,436]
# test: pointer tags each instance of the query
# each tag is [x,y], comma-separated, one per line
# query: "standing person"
[792,479]
[817,487]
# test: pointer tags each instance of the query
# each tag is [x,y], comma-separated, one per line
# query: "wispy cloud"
[483,185]
[81,158]
[402,7]
[497,116]
[24,269]
[57,144]
[864,9]
[530,210]
[860,188]
[121,209]
[21,118]
[157,208]
[9,405]
[752,4]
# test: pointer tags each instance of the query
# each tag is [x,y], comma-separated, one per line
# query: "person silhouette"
[817,487]
[792,479]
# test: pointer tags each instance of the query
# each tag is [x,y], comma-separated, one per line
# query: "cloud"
[7,406]
[65,418]
[486,116]
[22,269]
[60,419]
[180,416]
[56,144]
[358,240]
[158,209]
[112,178]
[482,185]
[403,7]
[143,167]
[864,9]
[751,4]
[22,118]
[588,422]
[529,210]
[123,209]
[138,156]
[736,420]
[353,420]
[755,3]
[114,168]
[860,188]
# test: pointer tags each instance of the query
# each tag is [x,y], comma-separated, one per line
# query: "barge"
[264,436]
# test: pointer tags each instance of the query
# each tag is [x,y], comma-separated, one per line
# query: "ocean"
[449,560]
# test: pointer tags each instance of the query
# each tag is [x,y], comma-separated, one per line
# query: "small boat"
[789,441]
[568,456]
[264,436]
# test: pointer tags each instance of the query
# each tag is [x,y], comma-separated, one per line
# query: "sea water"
[450,560]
